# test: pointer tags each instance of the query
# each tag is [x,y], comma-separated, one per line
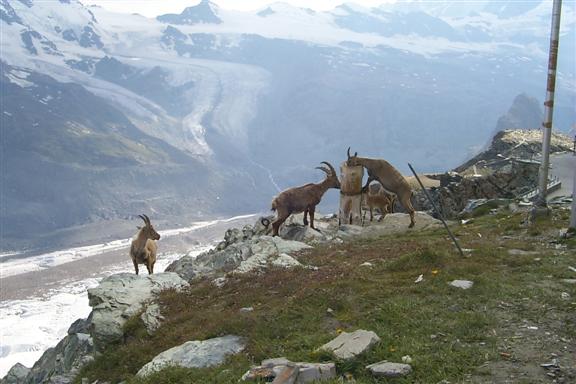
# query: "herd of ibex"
[305,199]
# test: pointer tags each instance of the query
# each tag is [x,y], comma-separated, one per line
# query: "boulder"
[16,375]
[196,354]
[121,296]
[349,345]
[386,369]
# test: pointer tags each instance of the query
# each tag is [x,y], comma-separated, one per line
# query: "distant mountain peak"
[206,12]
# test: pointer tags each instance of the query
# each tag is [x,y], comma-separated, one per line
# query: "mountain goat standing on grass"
[143,248]
[303,199]
[381,171]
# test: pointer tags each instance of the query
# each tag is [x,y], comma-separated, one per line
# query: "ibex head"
[148,229]
[352,160]
[331,175]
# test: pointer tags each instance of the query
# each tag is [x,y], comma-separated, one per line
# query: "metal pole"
[549,103]
[573,215]
[437,211]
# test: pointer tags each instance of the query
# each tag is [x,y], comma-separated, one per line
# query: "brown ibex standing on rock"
[392,181]
[303,199]
[143,248]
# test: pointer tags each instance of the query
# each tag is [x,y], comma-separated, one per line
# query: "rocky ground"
[504,313]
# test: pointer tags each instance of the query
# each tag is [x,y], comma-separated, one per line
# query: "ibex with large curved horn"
[389,177]
[303,199]
[143,248]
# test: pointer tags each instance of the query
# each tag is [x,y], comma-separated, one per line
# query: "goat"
[303,198]
[143,248]
[377,197]
[383,172]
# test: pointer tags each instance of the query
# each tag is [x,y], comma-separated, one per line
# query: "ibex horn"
[329,166]
[146,219]
[327,171]
[348,152]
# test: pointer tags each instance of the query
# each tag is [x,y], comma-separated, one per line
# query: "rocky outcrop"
[16,375]
[121,296]
[453,196]
[61,364]
[349,345]
[196,354]
[240,256]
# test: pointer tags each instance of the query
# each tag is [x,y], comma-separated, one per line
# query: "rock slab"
[196,354]
[277,369]
[386,369]
[349,345]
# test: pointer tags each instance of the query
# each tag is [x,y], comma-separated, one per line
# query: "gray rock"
[184,267]
[16,375]
[386,369]
[80,326]
[266,249]
[62,363]
[349,345]
[520,252]
[286,261]
[152,318]
[270,363]
[301,233]
[307,372]
[121,296]
[464,284]
[196,354]
[311,372]
[219,281]
[287,375]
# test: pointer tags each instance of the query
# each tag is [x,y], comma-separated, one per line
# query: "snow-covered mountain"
[210,111]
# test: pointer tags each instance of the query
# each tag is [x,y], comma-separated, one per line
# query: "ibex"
[303,199]
[143,248]
[377,197]
[381,171]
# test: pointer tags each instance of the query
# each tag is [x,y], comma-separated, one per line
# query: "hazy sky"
[157,7]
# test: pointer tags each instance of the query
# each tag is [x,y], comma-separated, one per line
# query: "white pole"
[549,103]
[573,216]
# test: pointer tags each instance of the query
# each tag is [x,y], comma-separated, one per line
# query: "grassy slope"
[477,335]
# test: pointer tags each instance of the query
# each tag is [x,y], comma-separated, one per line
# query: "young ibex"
[143,248]
[377,197]
[389,177]
[303,199]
